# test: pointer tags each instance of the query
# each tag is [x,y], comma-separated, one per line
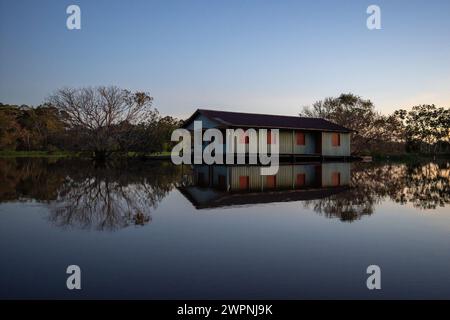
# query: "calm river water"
[154,230]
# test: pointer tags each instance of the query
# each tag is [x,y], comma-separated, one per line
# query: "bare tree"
[98,115]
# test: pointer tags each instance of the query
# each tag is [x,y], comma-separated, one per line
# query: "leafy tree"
[10,130]
[102,120]
[27,128]
[374,132]
[427,127]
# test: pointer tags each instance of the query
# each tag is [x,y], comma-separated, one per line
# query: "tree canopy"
[427,127]
[374,132]
[101,120]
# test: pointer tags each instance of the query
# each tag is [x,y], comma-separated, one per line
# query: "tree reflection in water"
[82,195]
[114,196]
[424,185]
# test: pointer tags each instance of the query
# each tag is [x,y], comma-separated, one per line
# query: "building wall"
[340,151]
[253,172]
[316,175]
[285,177]
[310,144]
[310,173]
[202,171]
[217,171]
[288,143]
[329,169]
[285,141]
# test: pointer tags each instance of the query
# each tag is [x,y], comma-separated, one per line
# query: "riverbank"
[37,154]
[409,157]
[165,155]
[66,154]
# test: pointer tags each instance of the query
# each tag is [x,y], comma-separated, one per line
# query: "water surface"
[153,230]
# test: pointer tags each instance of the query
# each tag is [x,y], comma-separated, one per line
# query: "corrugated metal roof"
[255,120]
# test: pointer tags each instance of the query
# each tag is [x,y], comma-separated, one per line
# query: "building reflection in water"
[120,194]
[347,191]
[222,185]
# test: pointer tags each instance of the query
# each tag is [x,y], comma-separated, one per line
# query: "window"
[243,182]
[300,138]
[336,179]
[336,140]
[270,139]
[271,181]
[301,177]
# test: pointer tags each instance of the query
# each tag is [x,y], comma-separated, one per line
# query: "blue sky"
[254,56]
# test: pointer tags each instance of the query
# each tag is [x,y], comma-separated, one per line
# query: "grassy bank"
[37,154]
[65,154]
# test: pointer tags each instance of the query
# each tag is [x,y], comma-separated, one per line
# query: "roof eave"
[224,124]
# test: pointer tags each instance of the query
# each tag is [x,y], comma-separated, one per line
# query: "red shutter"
[271,181]
[300,179]
[300,138]
[335,139]
[269,137]
[336,179]
[243,182]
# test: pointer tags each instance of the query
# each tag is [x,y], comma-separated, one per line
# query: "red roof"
[255,120]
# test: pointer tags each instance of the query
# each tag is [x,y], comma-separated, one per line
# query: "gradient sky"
[254,56]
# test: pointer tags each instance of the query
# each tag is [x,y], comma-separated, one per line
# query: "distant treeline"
[422,129]
[111,120]
[101,120]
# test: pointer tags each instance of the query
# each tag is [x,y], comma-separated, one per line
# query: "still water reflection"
[55,212]
[80,194]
